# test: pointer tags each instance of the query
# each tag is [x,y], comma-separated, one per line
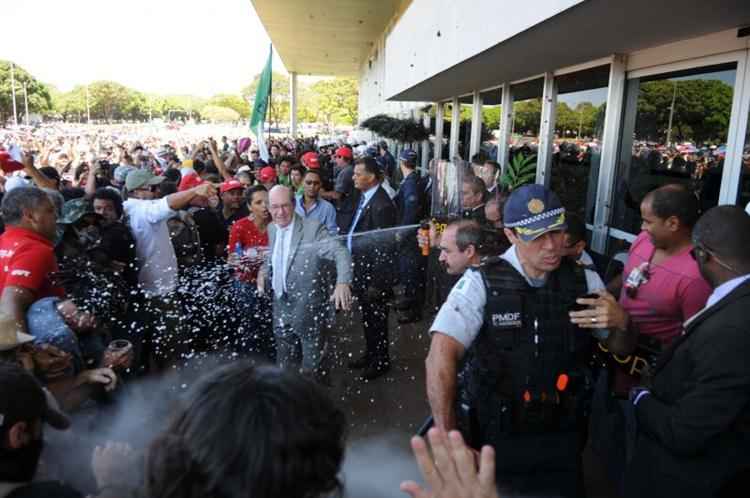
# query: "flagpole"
[270,91]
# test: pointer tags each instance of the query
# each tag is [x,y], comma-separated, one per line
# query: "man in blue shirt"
[310,204]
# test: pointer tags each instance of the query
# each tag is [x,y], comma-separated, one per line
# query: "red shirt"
[26,260]
[247,234]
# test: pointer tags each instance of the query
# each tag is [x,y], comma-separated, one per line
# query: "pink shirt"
[674,292]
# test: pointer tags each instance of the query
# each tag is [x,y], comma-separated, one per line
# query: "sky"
[196,47]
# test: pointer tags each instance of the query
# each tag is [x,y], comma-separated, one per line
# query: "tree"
[527,116]
[278,111]
[235,102]
[71,105]
[219,114]
[701,111]
[109,100]
[337,100]
[40,100]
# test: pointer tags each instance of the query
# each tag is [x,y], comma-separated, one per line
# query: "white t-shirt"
[148,222]
[462,314]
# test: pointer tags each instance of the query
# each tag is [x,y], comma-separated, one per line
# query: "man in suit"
[374,263]
[296,265]
[693,419]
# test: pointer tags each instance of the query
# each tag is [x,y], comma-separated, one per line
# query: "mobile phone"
[581,307]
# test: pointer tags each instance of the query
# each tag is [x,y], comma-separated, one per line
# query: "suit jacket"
[311,252]
[694,428]
[373,253]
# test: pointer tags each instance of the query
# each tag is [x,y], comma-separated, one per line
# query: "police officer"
[410,203]
[523,380]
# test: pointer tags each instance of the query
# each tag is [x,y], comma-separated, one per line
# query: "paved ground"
[384,413]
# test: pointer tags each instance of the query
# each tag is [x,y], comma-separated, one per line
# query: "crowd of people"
[124,258]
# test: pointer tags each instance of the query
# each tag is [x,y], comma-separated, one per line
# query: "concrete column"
[293,104]
[547,131]
[506,123]
[439,117]
[455,128]
[425,143]
[476,125]
[609,146]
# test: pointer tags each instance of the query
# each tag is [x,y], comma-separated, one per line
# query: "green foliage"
[335,101]
[40,99]
[219,114]
[278,111]
[520,171]
[701,110]
[234,102]
[402,130]
[527,116]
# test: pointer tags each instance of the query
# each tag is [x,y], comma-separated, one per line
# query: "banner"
[260,106]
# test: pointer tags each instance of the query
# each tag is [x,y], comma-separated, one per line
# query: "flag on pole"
[260,106]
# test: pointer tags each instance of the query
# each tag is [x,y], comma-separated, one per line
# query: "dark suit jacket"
[373,254]
[694,429]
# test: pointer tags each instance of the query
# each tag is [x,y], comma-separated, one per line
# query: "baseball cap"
[10,334]
[10,160]
[230,185]
[75,209]
[266,174]
[313,161]
[532,211]
[141,178]
[189,181]
[408,156]
[15,182]
[344,152]
[22,398]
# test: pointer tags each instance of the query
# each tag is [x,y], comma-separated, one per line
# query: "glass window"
[674,131]
[491,112]
[447,116]
[464,134]
[579,124]
[525,122]
[743,193]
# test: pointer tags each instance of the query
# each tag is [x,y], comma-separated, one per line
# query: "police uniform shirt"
[462,315]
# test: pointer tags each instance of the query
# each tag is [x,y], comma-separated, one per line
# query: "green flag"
[260,105]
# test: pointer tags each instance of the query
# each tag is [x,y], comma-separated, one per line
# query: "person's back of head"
[725,232]
[249,431]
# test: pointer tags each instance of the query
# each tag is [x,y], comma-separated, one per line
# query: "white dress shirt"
[281,252]
[364,200]
[148,222]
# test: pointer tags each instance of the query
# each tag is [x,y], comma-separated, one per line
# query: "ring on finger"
[593,319]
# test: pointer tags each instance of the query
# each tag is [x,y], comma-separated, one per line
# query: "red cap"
[344,152]
[189,181]
[10,160]
[313,162]
[267,174]
[230,185]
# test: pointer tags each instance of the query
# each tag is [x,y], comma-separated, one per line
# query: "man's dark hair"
[250,192]
[296,432]
[477,185]
[108,194]
[167,188]
[173,175]
[479,158]
[468,233]
[576,229]
[288,159]
[313,172]
[725,231]
[198,166]
[675,200]
[51,173]
[21,199]
[371,166]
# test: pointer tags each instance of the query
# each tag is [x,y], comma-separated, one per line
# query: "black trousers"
[374,310]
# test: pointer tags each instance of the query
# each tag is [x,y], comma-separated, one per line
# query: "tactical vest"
[526,370]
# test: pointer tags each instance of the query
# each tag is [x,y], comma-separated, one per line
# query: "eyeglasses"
[699,252]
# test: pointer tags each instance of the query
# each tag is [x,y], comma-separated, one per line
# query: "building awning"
[588,31]
[325,37]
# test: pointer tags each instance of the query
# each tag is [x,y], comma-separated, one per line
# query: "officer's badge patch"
[535,206]
[510,319]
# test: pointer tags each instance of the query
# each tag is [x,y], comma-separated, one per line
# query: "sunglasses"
[699,252]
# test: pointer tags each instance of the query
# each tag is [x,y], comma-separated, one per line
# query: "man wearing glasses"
[693,437]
